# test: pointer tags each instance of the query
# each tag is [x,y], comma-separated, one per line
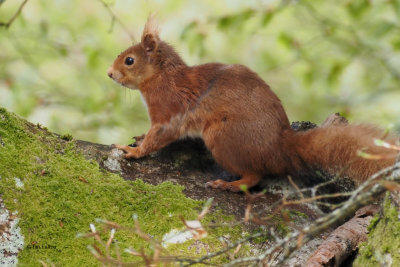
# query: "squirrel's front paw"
[130,152]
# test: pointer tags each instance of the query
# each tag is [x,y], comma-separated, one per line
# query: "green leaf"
[286,39]
[235,20]
[335,72]
[188,29]
[309,76]
[396,6]
[225,22]
[243,187]
[63,51]
[382,28]
[357,8]
[395,43]
[266,18]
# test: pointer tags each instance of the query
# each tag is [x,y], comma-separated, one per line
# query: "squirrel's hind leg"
[247,180]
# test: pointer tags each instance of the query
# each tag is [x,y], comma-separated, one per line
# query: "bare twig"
[8,24]
[115,19]
[296,187]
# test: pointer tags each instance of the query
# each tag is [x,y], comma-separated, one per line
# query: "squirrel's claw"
[130,152]
[118,146]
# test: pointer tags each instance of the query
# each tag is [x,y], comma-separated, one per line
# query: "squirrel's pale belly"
[191,125]
[144,101]
[193,134]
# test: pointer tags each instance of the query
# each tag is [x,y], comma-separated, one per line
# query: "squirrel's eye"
[129,61]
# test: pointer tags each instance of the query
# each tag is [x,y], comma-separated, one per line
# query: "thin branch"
[8,24]
[114,19]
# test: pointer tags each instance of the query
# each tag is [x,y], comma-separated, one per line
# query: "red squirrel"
[242,122]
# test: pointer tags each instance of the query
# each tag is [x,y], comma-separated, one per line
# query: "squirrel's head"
[135,64]
[145,59]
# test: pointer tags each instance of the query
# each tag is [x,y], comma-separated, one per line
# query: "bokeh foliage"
[318,56]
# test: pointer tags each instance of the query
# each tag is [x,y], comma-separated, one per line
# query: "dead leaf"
[83,180]
[196,229]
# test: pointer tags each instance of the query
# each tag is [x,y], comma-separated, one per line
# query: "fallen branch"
[344,240]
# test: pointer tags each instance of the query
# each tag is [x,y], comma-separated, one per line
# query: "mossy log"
[59,186]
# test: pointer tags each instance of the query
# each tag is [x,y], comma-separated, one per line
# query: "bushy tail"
[335,149]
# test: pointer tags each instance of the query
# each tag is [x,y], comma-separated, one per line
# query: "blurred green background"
[319,56]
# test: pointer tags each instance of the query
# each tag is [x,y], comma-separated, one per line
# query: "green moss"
[67,137]
[373,222]
[294,214]
[282,229]
[41,127]
[63,193]
[383,239]
[221,231]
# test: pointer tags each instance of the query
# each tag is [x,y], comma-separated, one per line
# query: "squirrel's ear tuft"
[150,38]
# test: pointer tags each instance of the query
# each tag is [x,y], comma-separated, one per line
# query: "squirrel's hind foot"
[221,184]
[246,182]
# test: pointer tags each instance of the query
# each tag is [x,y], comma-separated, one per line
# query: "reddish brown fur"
[335,148]
[241,121]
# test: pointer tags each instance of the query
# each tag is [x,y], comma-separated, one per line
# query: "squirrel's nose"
[109,73]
